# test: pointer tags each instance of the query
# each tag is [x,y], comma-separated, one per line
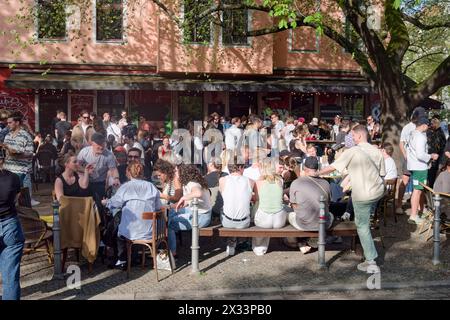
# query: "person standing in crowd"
[366,169]
[123,122]
[236,193]
[131,143]
[82,132]
[164,149]
[270,213]
[194,186]
[304,196]
[55,120]
[104,163]
[233,135]
[4,129]
[436,144]
[404,138]
[391,168]
[215,122]
[314,126]
[19,146]
[61,127]
[336,126]
[278,126]
[112,129]
[12,239]
[287,131]
[418,160]
[370,125]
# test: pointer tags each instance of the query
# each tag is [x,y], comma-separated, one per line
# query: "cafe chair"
[38,235]
[159,237]
[391,189]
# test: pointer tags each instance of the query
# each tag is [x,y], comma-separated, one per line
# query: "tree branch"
[230,7]
[169,12]
[439,78]
[419,24]
[420,58]
[399,42]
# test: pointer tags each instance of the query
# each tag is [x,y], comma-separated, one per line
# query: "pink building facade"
[147,65]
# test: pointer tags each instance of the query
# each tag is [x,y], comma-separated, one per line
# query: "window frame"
[237,45]
[124,38]
[36,27]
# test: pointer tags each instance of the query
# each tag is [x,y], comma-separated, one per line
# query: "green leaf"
[12,65]
[396,4]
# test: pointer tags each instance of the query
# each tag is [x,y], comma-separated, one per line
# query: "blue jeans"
[363,211]
[11,247]
[182,220]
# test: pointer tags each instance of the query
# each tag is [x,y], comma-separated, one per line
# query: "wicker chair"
[159,236]
[38,236]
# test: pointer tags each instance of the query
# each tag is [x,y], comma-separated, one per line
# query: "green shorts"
[420,176]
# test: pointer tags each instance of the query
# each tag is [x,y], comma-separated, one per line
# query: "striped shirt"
[21,142]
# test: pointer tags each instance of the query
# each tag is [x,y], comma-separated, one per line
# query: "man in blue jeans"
[366,169]
[11,236]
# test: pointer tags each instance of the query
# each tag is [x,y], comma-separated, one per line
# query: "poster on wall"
[22,101]
[80,102]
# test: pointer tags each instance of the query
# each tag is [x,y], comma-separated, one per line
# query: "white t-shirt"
[232,137]
[204,202]
[417,152]
[406,132]
[252,173]
[391,169]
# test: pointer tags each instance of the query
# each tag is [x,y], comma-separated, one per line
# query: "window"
[110,101]
[196,31]
[109,20]
[353,106]
[235,25]
[190,108]
[51,19]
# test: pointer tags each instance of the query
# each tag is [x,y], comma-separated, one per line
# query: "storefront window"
[190,108]
[110,101]
[329,106]
[303,106]
[353,106]
[243,103]
[153,109]
[49,102]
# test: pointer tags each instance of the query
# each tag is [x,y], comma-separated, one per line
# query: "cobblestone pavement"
[283,273]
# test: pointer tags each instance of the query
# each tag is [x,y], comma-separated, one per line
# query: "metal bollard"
[437,229]
[57,274]
[322,233]
[195,237]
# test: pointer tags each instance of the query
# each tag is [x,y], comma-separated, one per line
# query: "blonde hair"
[135,170]
[225,157]
[268,170]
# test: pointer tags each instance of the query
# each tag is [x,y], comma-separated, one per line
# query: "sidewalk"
[406,273]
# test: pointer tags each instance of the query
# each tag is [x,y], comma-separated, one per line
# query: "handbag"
[163,260]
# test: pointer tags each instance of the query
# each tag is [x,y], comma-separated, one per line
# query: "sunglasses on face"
[133,157]
[85,117]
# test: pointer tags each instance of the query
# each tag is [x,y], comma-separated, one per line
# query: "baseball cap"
[423,120]
[301,119]
[312,163]
[98,138]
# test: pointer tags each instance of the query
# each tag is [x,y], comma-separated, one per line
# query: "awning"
[158,83]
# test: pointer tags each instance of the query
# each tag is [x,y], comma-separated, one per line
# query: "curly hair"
[190,173]
[135,170]
[165,167]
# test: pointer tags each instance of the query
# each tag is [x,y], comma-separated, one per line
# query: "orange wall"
[139,48]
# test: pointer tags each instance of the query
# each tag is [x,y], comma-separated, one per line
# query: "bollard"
[437,229]
[57,274]
[322,233]
[195,237]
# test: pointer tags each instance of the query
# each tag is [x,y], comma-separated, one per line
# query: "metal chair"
[159,236]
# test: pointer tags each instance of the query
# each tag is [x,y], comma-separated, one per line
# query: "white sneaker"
[417,220]
[120,262]
[346,216]
[369,266]
[230,251]
[34,203]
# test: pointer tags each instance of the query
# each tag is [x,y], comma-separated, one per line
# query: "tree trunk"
[394,114]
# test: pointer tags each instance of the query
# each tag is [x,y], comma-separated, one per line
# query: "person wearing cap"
[11,235]
[417,158]
[304,196]
[366,170]
[105,167]
[404,137]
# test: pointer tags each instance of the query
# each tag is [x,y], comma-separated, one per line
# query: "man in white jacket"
[417,162]
[233,135]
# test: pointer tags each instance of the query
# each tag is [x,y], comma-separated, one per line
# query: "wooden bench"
[341,229]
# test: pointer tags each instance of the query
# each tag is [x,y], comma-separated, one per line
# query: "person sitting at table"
[71,183]
[134,197]
[180,217]
[171,189]
[297,146]
[236,190]
[304,196]
[442,184]
[270,213]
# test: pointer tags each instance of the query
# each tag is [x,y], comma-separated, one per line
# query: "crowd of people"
[250,170]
